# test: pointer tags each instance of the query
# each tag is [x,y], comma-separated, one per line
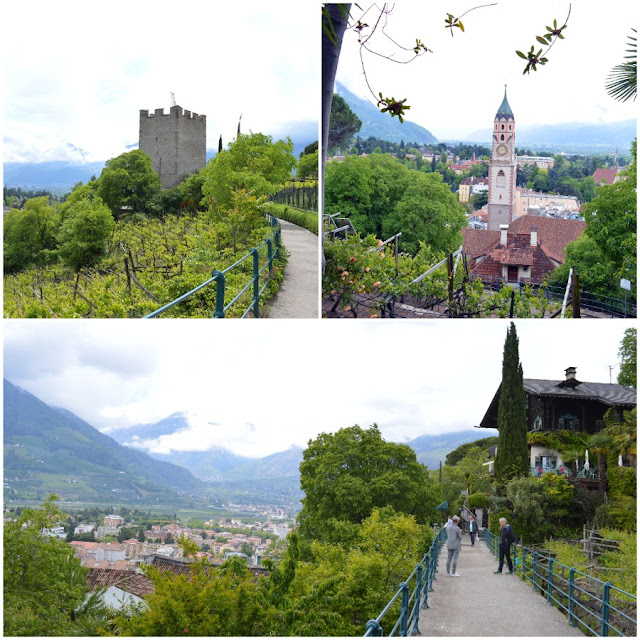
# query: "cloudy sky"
[78,73]
[268,385]
[458,88]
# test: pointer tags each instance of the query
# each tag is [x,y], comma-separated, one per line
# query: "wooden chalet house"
[565,405]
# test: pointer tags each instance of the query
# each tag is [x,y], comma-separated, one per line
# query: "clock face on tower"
[501,150]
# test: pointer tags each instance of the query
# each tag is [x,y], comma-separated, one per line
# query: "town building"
[502,168]
[472,185]
[176,143]
[606,176]
[541,162]
[524,251]
[529,202]
[565,405]
[113,520]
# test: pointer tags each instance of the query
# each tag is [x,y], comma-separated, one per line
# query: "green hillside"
[382,125]
[48,449]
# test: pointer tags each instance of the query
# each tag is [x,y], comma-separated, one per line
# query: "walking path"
[479,603]
[298,295]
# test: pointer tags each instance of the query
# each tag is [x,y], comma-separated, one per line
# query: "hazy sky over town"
[268,385]
[458,88]
[77,73]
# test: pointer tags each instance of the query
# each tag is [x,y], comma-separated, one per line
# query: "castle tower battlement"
[176,142]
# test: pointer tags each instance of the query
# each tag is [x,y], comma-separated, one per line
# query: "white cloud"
[259,387]
[84,72]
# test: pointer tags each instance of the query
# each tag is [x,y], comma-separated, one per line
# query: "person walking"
[507,538]
[454,542]
[473,529]
[449,522]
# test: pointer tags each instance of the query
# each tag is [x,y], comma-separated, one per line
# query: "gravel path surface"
[298,295]
[479,603]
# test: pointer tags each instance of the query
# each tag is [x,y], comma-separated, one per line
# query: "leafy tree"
[129,181]
[44,582]
[344,123]
[628,354]
[512,458]
[427,212]
[540,505]
[453,457]
[597,274]
[253,162]
[611,220]
[308,165]
[346,475]
[29,235]
[83,234]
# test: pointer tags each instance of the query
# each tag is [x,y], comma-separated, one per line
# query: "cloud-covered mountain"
[49,449]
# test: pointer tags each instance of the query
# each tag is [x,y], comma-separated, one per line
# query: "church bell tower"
[502,168]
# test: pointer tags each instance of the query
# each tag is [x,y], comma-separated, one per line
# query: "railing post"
[374,626]
[550,580]
[535,570]
[404,613]
[220,285]
[572,576]
[604,628]
[269,255]
[256,281]
[414,623]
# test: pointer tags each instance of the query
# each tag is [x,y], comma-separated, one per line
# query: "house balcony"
[581,474]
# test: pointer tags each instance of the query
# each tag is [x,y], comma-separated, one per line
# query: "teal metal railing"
[412,594]
[595,607]
[218,277]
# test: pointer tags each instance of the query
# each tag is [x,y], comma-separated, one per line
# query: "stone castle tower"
[176,142]
[502,168]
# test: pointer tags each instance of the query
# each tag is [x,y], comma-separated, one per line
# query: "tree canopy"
[628,354]
[44,582]
[347,474]
[344,123]
[129,181]
[253,162]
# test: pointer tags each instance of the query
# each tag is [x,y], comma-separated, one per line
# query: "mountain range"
[382,125]
[578,137]
[51,449]
[60,176]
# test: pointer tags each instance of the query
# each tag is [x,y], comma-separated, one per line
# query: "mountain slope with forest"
[48,449]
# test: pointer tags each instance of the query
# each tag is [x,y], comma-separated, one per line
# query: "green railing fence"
[413,594]
[218,277]
[595,607]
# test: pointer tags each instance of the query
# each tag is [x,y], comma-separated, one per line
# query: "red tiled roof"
[478,242]
[554,234]
[605,175]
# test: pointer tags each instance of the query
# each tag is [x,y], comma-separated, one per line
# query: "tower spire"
[505,109]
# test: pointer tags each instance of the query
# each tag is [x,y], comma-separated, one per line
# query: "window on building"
[502,138]
[501,180]
[537,423]
[502,127]
[569,422]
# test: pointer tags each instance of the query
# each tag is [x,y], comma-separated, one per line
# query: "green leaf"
[521,54]
[541,40]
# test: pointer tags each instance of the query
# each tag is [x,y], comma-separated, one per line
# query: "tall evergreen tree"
[512,458]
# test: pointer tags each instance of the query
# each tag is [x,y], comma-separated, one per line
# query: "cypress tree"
[512,458]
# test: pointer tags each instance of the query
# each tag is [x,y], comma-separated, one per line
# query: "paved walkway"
[298,295]
[479,603]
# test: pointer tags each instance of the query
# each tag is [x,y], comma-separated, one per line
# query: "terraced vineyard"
[148,263]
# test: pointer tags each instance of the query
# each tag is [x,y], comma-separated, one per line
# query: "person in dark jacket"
[507,538]
[473,529]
